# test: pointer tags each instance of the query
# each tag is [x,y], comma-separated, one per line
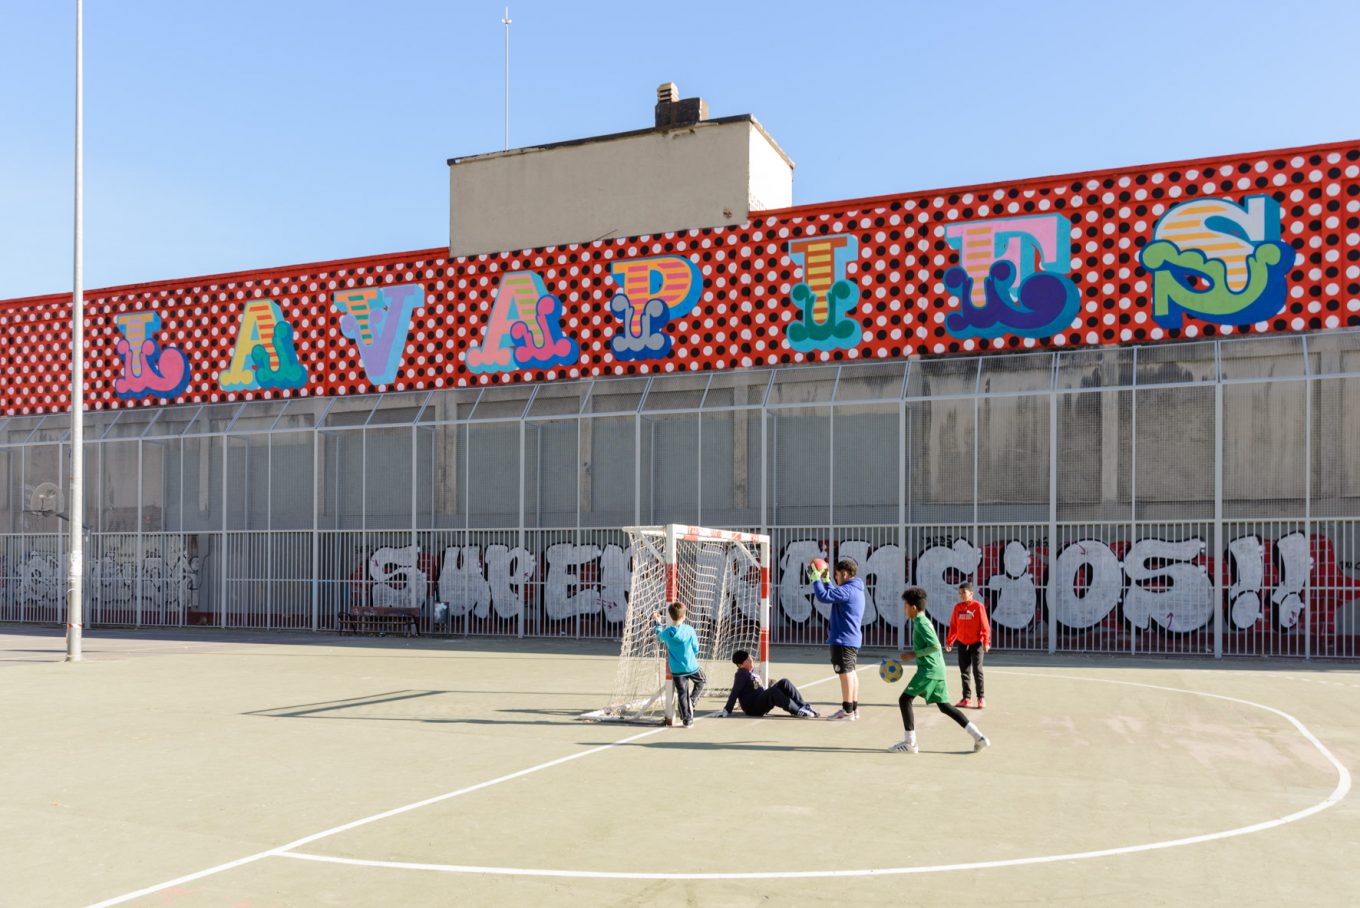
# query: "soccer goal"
[723,579]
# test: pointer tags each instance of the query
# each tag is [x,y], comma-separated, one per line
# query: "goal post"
[723,579]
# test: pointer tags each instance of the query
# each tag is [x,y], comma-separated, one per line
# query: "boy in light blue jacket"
[682,655]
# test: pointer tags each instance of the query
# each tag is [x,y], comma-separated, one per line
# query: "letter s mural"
[1219,262]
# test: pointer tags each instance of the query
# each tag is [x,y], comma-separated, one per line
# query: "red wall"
[745,308]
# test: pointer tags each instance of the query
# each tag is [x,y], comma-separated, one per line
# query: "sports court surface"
[267,770]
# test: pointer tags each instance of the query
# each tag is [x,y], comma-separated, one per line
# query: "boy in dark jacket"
[846,599]
[756,700]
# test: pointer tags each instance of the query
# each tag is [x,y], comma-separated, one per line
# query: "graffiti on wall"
[168,582]
[1144,583]
[826,295]
[1147,583]
[149,369]
[1218,261]
[498,581]
[1012,277]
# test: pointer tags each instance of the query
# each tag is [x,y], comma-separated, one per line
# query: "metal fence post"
[1052,593]
[316,535]
[1218,514]
[1308,501]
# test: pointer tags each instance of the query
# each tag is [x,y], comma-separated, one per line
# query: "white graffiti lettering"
[616,580]
[1295,565]
[886,568]
[462,585]
[565,592]
[1016,595]
[936,569]
[795,593]
[508,570]
[1247,556]
[1089,582]
[1166,585]
[397,580]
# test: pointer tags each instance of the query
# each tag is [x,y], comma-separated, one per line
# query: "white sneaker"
[841,715]
[980,743]
[904,747]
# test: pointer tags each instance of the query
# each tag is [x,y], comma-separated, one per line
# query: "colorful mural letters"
[1218,261]
[826,296]
[149,370]
[1022,265]
[654,292]
[264,355]
[378,320]
[524,329]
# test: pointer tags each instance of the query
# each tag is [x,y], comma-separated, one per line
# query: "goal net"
[723,579]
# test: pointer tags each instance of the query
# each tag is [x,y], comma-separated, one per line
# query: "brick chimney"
[672,111]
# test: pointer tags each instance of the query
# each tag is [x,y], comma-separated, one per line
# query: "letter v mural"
[264,356]
[523,330]
[378,320]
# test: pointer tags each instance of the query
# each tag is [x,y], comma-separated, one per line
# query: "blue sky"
[227,136]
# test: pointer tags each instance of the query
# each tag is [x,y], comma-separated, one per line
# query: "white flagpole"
[505,20]
[76,501]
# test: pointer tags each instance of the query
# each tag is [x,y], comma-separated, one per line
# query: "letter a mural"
[264,356]
[524,329]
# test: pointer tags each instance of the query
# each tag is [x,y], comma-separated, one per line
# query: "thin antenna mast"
[505,20]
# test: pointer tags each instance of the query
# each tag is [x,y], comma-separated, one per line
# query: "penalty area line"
[1343,787]
[281,851]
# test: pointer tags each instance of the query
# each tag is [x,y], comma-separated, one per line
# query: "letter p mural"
[656,291]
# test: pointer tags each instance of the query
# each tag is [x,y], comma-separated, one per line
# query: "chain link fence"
[1195,498]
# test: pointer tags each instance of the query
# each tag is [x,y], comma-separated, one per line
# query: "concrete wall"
[707,175]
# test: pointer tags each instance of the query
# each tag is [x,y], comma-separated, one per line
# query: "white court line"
[1338,793]
[279,851]
[1342,788]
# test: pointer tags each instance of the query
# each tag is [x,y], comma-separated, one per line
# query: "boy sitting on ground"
[757,700]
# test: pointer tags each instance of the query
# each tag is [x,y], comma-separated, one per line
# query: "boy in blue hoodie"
[682,655]
[846,599]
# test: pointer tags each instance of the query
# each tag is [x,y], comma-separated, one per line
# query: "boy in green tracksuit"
[928,682]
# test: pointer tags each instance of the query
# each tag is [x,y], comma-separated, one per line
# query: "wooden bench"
[377,619]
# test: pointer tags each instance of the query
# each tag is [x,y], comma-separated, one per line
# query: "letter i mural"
[826,296]
[264,356]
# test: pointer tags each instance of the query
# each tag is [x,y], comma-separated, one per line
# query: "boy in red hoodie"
[969,627]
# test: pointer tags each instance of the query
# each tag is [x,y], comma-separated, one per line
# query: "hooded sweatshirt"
[847,610]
